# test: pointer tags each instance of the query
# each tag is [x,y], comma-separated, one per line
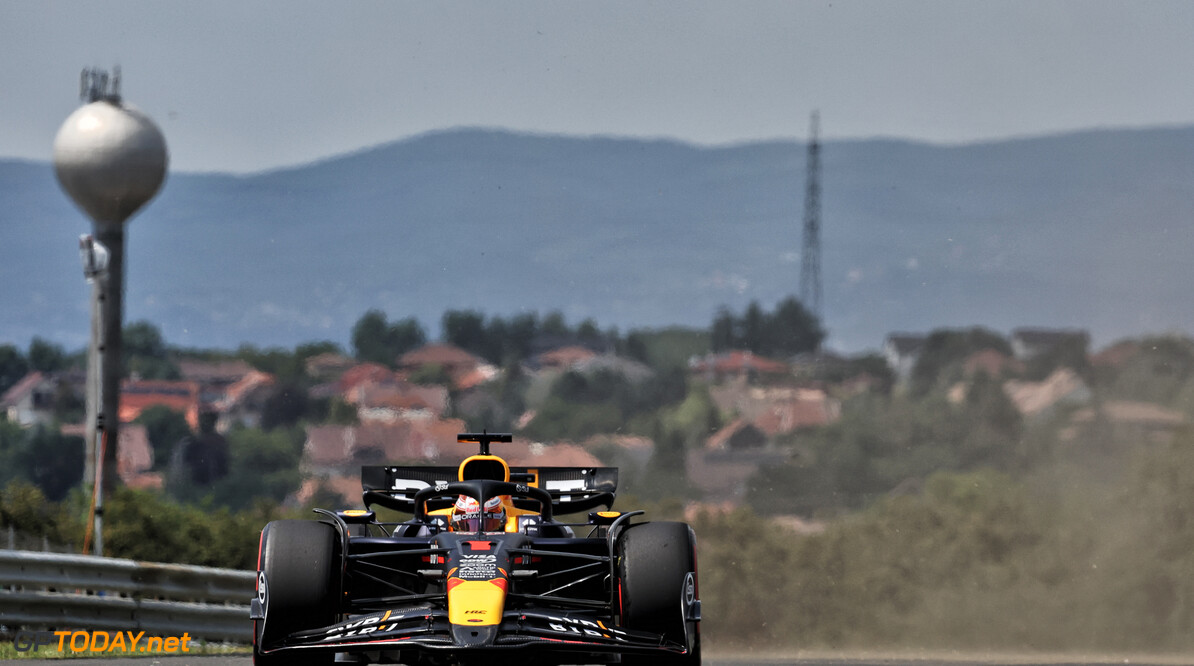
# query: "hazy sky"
[243,86]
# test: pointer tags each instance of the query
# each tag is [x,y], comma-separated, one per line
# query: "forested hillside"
[1084,230]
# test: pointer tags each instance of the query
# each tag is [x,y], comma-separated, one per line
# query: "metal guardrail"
[48,590]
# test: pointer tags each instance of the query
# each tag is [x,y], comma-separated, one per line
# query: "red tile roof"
[564,357]
[238,390]
[136,396]
[402,396]
[449,356]
[786,416]
[736,362]
[365,372]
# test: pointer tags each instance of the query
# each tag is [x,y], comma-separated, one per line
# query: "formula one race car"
[484,572]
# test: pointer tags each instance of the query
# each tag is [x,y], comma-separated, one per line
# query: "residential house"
[243,401]
[399,400]
[1038,399]
[1030,343]
[562,358]
[631,369]
[464,369]
[902,350]
[232,390]
[134,458]
[213,377]
[328,366]
[336,450]
[991,362]
[777,411]
[738,436]
[380,394]
[785,411]
[738,363]
[31,400]
[721,469]
[134,454]
[138,395]
[364,373]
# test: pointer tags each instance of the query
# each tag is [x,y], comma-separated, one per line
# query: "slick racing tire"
[657,574]
[298,564]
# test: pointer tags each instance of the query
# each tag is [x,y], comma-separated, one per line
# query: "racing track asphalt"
[968,660]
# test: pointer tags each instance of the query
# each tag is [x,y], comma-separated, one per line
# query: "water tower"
[111,159]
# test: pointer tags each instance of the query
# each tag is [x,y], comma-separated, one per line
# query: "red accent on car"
[479,545]
[257,583]
[453,582]
[500,582]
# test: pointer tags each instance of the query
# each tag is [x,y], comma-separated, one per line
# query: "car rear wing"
[572,489]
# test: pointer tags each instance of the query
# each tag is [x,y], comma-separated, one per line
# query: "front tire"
[298,560]
[655,563]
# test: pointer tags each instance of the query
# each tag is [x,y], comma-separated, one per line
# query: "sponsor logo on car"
[583,627]
[362,626]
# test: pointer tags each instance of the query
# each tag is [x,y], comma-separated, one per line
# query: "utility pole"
[810,257]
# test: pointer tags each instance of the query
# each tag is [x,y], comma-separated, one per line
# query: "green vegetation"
[940,361]
[665,348]
[195,648]
[789,330]
[142,526]
[936,514]
[974,560]
[606,400]
[883,440]
[259,467]
[42,456]
[165,428]
[13,366]
[377,341]
[145,353]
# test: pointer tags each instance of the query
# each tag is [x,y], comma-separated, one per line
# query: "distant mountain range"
[1092,230]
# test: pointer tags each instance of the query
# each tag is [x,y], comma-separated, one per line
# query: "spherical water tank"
[111,159]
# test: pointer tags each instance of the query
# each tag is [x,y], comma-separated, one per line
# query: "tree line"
[787,330]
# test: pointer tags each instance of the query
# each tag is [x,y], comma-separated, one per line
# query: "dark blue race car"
[484,571]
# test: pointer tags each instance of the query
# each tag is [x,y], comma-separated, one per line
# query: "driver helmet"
[469,516]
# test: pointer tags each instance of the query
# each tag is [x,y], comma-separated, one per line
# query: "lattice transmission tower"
[810,256]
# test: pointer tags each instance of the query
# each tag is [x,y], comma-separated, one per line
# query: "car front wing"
[427,629]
